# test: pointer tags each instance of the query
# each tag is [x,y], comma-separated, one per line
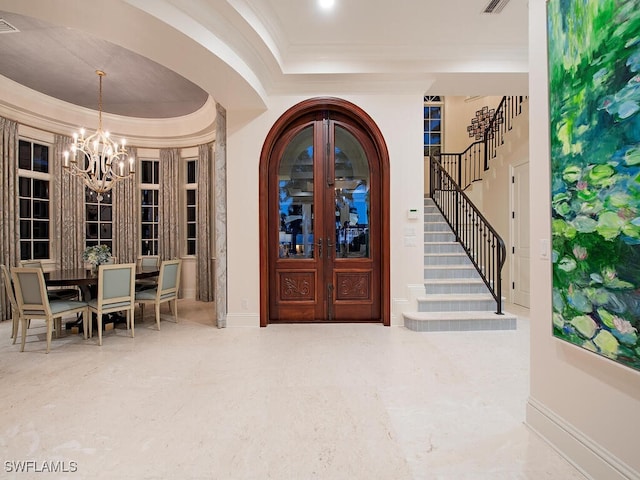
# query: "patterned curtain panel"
[126,212]
[204,269]
[9,237]
[220,202]
[168,204]
[68,193]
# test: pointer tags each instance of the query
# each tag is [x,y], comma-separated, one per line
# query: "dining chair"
[116,293]
[13,303]
[55,293]
[31,263]
[166,290]
[147,261]
[34,304]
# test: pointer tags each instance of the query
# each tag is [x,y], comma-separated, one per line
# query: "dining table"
[87,281]
[84,278]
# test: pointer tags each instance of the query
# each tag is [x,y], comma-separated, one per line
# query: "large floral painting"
[594,90]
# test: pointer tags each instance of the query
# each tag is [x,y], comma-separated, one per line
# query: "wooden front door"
[325,222]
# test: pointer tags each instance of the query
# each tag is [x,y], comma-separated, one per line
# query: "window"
[33,195]
[432,125]
[149,195]
[98,220]
[191,194]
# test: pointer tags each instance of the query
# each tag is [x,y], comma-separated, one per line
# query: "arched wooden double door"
[324,217]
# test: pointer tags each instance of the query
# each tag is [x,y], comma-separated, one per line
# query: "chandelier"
[102,162]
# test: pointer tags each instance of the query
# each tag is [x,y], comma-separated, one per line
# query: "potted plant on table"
[96,255]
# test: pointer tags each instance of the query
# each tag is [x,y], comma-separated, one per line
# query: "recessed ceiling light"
[326,4]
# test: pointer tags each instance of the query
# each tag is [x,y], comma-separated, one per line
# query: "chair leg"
[85,326]
[131,317]
[99,315]
[158,315]
[24,333]
[50,323]
[15,323]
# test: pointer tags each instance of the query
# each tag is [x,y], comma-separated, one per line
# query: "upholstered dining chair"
[166,290]
[116,293]
[55,293]
[13,303]
[147,261]
[33,303]
[31,263]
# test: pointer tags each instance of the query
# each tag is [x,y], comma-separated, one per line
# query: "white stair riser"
[447,259]
[460,325]
[443,247]
[456,305]
[444,272]
[439,237]
[437,227]
[455,288]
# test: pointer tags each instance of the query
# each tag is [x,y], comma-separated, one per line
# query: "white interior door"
[520,235]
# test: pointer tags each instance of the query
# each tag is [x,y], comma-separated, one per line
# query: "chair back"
[8,286]
[169,278]
[148,261]
[116,285]
[31,263]
[31,291]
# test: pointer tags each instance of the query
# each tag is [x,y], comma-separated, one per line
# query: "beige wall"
[584,404]
[399,118]
[495,188]
[458,113]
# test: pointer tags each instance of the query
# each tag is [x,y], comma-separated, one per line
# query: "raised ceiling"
[242,51]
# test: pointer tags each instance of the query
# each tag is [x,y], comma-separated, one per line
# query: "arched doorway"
[324,216]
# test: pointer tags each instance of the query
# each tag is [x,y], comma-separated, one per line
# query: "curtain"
[168,204]
[220,161]
[9,234]
[204,253]
[68,205]
[126,213]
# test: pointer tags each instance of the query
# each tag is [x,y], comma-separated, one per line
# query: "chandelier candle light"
[103,160]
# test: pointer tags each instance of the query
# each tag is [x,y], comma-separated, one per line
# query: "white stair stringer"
[456,298]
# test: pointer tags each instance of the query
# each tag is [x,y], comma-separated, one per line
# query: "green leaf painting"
[594,100]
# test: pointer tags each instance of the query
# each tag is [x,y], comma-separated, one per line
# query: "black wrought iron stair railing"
[480,240]
[468,166]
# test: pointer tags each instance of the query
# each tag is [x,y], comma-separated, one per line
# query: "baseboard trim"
[243,320]
[590,458]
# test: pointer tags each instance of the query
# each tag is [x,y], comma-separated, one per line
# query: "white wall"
[399,118]
[585,405]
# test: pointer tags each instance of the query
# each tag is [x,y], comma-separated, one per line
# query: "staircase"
[456,298]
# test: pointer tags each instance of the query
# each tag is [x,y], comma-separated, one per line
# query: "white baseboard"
[591,459]
[243,320]
[188,293]
[401,305]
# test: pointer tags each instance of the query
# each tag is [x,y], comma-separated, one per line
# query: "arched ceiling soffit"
[124,30]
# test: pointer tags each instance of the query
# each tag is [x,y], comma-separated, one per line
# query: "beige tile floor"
[284,402]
